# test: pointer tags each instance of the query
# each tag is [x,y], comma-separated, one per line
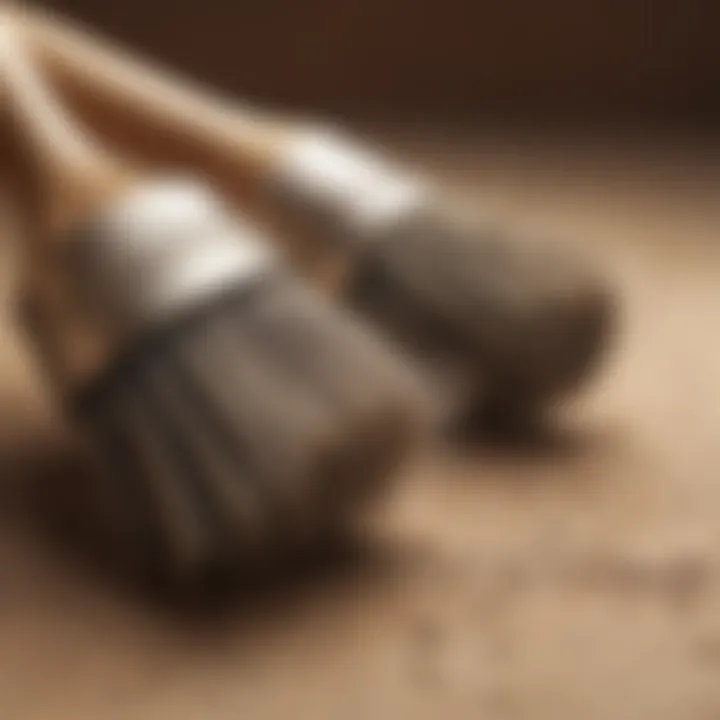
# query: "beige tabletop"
[579,579]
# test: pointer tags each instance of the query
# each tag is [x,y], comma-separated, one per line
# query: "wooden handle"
[165,120]
[149,110]
[65,175]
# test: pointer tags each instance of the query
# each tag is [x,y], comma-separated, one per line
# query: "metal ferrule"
[342,186]
[160,251]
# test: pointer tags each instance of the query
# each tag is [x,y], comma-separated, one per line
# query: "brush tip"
[522,322]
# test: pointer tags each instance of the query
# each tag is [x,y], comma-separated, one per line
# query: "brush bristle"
[249,429]
[526,321]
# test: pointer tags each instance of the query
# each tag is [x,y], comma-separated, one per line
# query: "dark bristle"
[157,452]
[268,427]
[244,433]
[525,320]
[123,506]
[340,366]
[228,510]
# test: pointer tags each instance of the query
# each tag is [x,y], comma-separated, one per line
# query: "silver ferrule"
[162,250]
[337,183]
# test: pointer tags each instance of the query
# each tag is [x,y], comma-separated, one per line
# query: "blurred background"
[577,578]
[439,59]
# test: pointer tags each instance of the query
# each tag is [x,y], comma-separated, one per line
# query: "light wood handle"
[64,172]
[149,110]
[58,176]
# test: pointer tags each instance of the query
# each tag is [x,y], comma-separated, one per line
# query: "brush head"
[238,416]
[498,318]
[521,323]
[245,432]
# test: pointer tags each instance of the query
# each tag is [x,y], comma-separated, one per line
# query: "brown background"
[582,57]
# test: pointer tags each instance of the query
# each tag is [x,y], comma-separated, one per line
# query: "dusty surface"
[581,581]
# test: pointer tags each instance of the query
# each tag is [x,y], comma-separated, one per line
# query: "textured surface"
[580,581]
